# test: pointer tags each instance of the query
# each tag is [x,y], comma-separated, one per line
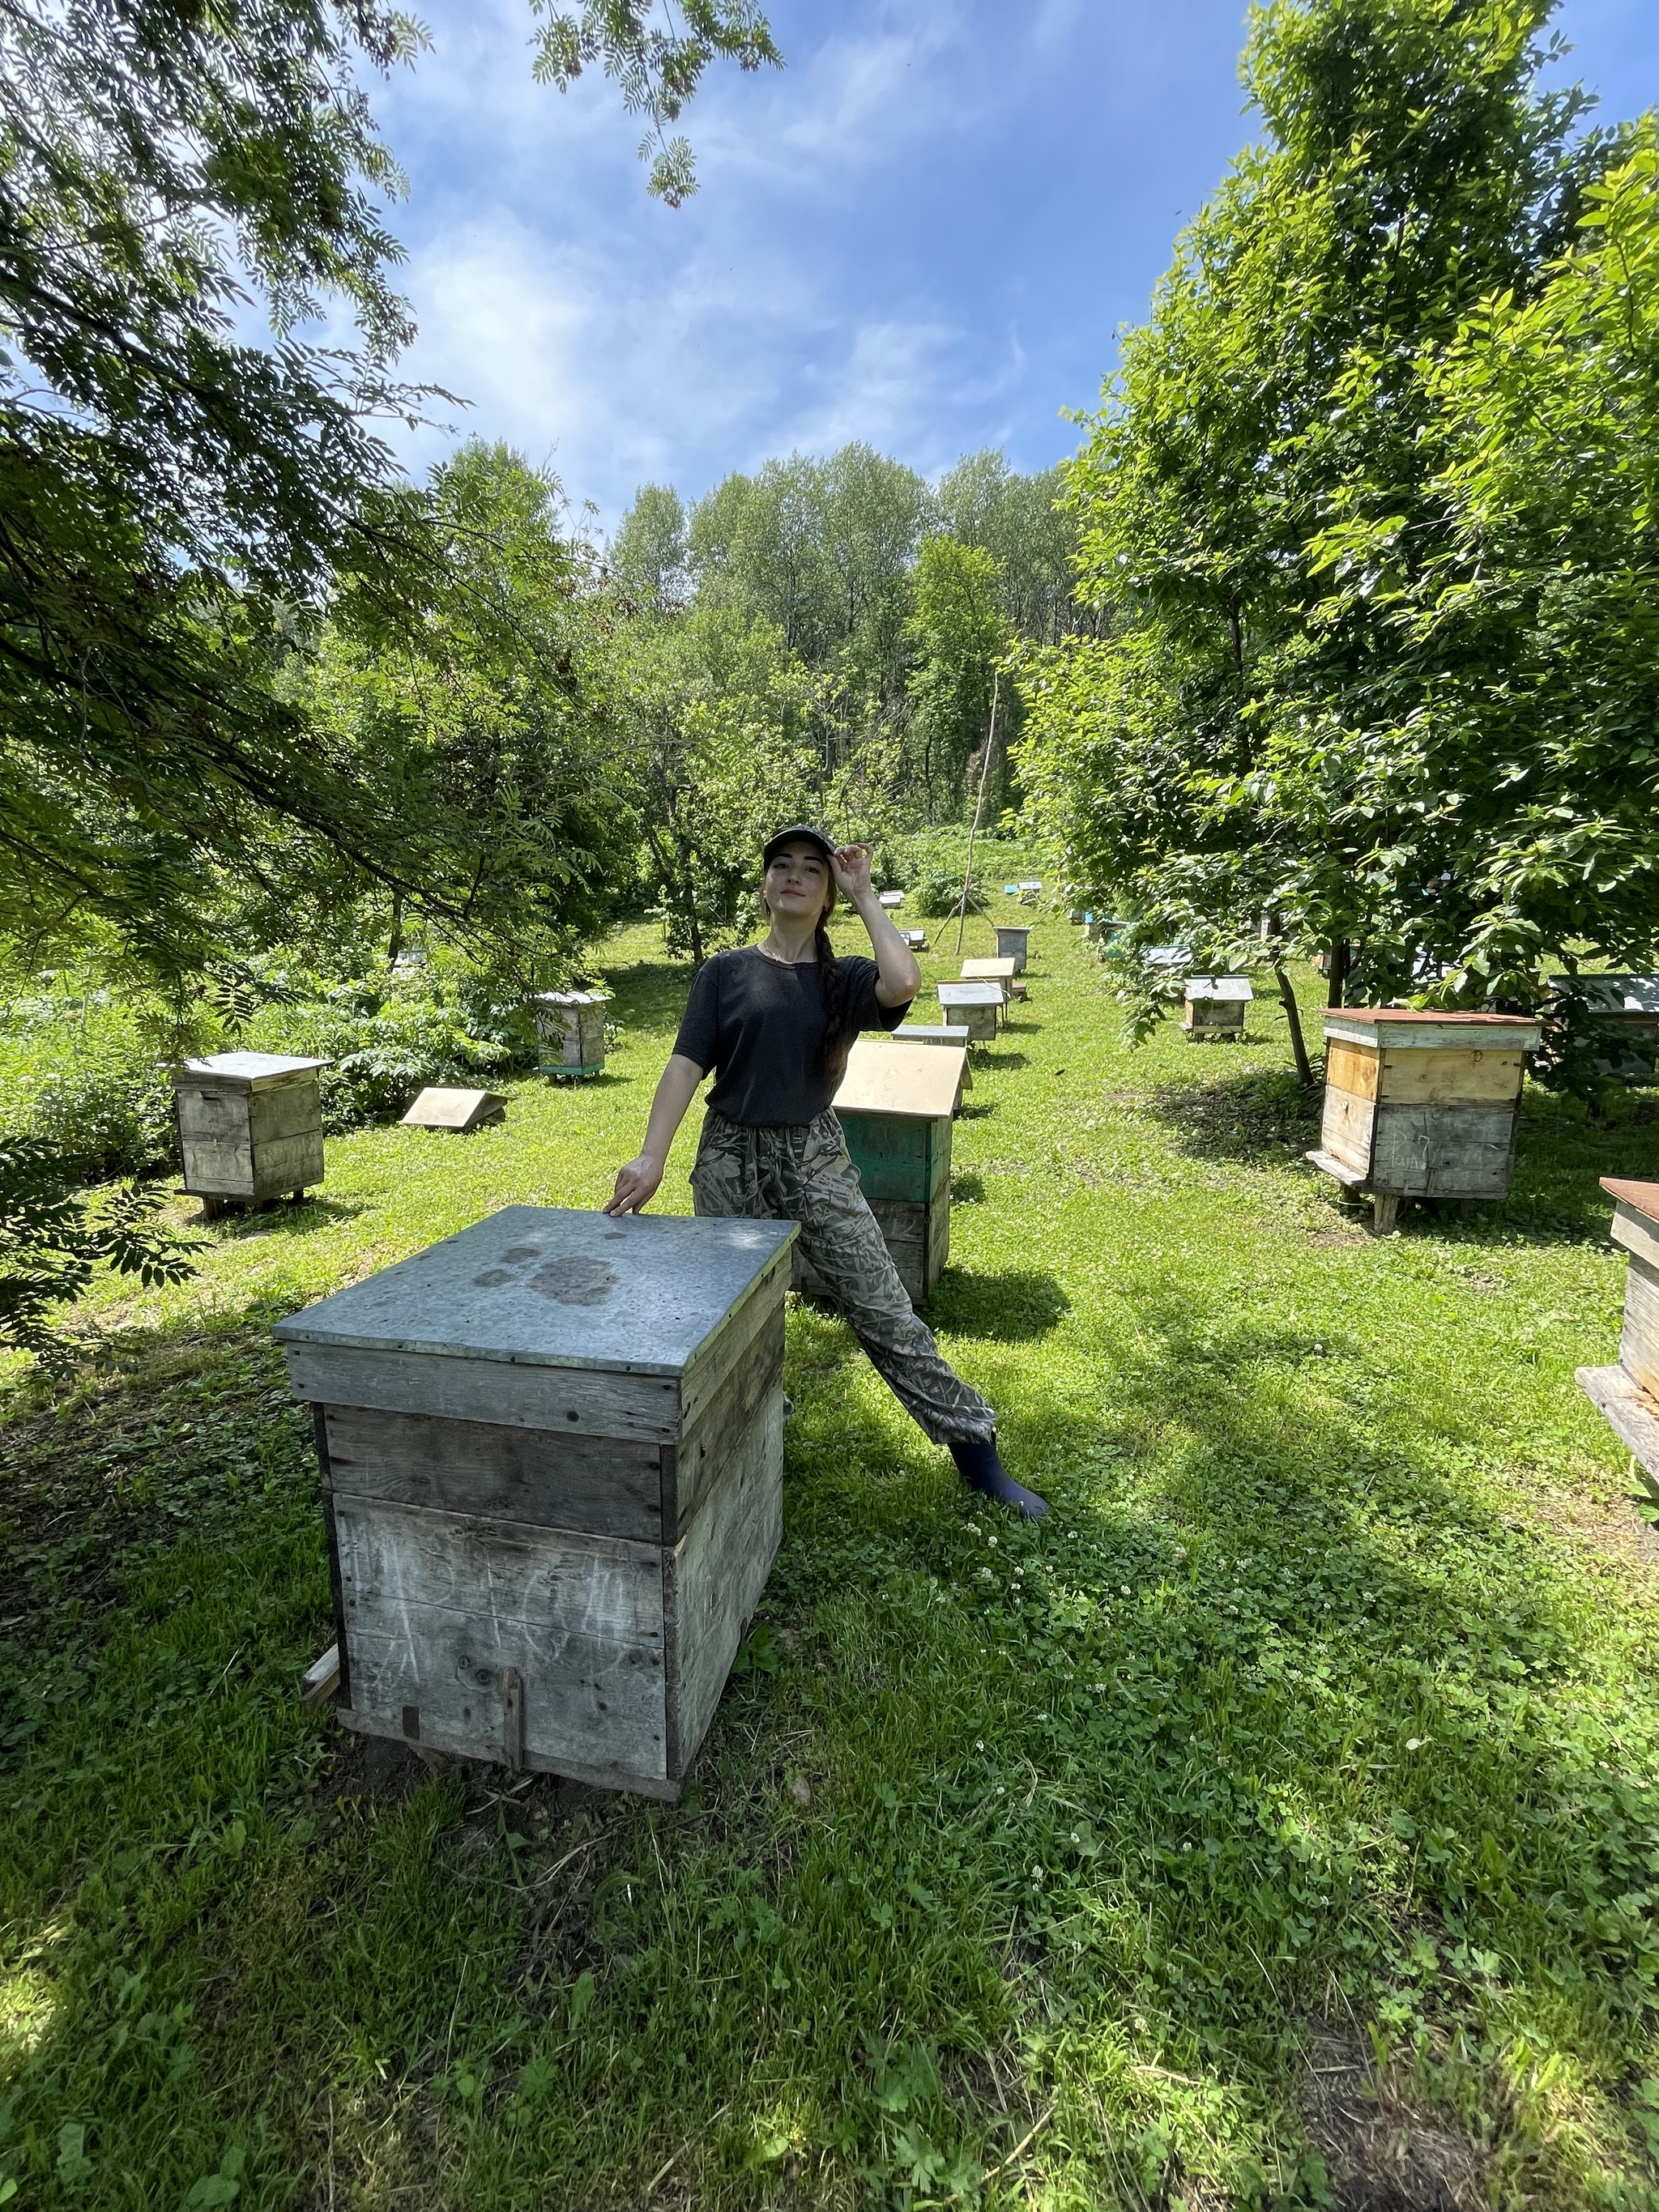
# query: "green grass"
[1310,1740]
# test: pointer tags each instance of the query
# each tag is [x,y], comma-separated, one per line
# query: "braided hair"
[831,1062]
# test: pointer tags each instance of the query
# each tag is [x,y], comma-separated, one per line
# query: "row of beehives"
[551,1450]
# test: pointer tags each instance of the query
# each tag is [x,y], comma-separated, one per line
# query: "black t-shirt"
[760,1023]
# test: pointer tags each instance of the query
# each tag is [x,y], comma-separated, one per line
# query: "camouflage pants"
[803,1174]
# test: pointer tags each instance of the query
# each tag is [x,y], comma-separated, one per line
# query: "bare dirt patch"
[1382,2156]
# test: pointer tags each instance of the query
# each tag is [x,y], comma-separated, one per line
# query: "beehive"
[1628,1395]
[995,971]
[552,1455]
[1624,1014]
[895,1106]
[976,1006]
[570,1026]
[250,1126]
[1214,1006]
[916,939]
[1422,1105]
[1013,943]
[891,900]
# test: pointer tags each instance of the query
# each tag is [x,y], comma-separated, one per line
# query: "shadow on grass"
[1013,1307]
[649,993]
[1242,1114]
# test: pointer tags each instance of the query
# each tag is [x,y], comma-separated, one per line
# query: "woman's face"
[798,882]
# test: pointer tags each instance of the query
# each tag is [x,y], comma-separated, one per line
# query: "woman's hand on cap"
[851,863]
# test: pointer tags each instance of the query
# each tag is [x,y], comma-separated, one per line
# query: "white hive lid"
[970,994]
[917,1082]
[1614,994]
[244,1071]
[1228,988]
[933,1034]
[571,999]
[544,1286]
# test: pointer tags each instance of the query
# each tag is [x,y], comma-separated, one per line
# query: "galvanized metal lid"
[244,1071]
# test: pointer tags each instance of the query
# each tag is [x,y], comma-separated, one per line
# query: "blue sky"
[925,233]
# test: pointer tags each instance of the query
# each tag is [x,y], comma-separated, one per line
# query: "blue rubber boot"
[981,1470]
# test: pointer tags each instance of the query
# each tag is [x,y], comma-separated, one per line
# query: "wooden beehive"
[891,900]
[250,1126]
[945,1033]
[895,1106]
[552,1455]
[1013,943]
[976,1006]
[1628,1395]
[1214,1006]
[1002,971]
[916,939]
[1422,1105]
[570,1026]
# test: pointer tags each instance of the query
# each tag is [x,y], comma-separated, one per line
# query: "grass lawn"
[1275,1825]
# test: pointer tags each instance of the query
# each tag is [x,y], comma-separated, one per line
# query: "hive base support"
[1629,1411]
[439,1755]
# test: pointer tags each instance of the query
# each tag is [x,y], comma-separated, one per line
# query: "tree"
[649,554]
[1020,521]
[958,634]
[179,502]
[1293,725]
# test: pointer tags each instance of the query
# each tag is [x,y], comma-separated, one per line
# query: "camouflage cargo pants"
[803,1174]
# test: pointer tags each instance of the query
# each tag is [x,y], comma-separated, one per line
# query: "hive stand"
[1002,971]
[1422,1105]
[1627,1396]
[570,1028]
[461,1110]
[976,1006]
[250,1126]
[552,1459]
[895,1106]
[1013,943]
[1214,1007]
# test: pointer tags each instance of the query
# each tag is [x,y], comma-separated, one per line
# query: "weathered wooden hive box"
[976,1006]
[250,1125]
[1214,1006]
[895,1106]
[1013,943]
[916,939]
[1001,971]
[570,1026]
[552,1455]
[1628,1395]
[1422,1105]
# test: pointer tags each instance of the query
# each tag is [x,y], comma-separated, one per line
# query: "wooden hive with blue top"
[552,1457]
[895,1106]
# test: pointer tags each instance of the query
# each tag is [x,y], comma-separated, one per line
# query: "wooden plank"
[742,1325]
[458,1110]
[1427,1078]
[220,1170]
[916,1082]
[288,1164]
[1637,1231]
[1639,1344]
[712,1583]
[1406,1028]
[709,1440]
[1347,1127]
[1632,1415]
[551,1479]
[1444,1152]
[580,1400]
[321,1679]
[1353,1068]
[898,1157]
[439,1606]
[217,1116]
[284,1109]
[1352,1178]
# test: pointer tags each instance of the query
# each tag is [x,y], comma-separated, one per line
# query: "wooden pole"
[984,771]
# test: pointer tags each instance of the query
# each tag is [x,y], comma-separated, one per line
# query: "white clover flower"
[1037,1874]
[992,1541]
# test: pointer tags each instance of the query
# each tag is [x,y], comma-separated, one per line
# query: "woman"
[776,1021]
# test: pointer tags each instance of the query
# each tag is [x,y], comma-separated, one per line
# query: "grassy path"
[1274,1825]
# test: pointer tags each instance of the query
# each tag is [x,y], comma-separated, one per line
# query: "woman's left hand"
[851,863]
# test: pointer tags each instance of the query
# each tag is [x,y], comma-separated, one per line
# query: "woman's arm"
[637,1183]
[901,978]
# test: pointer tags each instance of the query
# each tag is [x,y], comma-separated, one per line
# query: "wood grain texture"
[1431,1078]
[1638,1342]
[713,1582]
[1630,1413]
[1638,1232]
[439,1606]
[596,1486]
[897,1078]
[285,1110]
[722,1423]
[289,1164]
[1444,1152]
[1347,1127]
[590,1401]
[744,1322]
[1351,1067]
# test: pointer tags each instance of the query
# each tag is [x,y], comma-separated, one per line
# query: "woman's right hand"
[636,1184]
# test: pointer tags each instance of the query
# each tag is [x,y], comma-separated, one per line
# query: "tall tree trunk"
[1339,959]
[395,943]
[1293,1016]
